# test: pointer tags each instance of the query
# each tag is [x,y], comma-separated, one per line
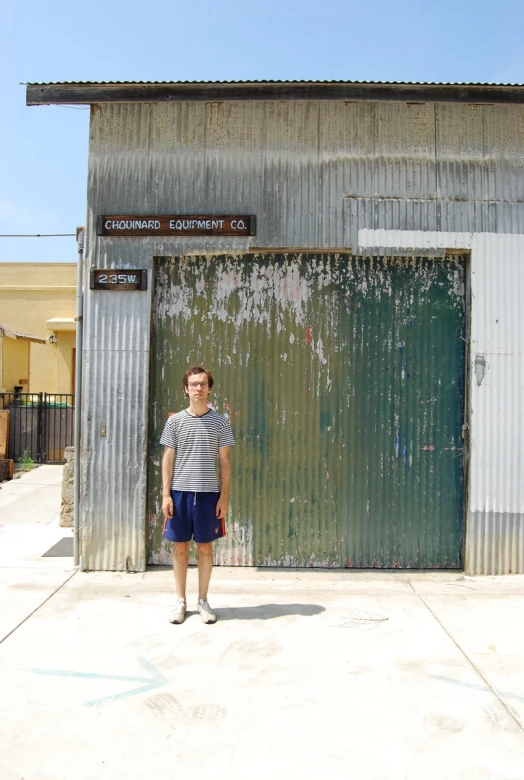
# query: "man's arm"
[224,465]
[168,463]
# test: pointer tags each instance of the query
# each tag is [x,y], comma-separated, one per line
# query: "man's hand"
[221,509]
[167,506]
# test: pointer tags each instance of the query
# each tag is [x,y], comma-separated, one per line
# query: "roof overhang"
[12,333]
[60,323]
[178,91]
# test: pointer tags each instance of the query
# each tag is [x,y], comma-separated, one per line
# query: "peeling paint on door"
[343,378]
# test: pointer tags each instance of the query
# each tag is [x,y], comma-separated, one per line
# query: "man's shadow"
[268,611]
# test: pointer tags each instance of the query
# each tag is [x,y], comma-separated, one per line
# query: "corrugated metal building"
[367,339]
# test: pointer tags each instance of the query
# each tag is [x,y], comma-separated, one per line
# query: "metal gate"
[41,425]
[343,378]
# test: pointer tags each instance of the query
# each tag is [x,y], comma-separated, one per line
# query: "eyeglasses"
[203,385]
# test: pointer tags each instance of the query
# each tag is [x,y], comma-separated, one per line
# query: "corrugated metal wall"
[116,381]
[314,174]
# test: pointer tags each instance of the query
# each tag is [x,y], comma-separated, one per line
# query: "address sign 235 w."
[118,279]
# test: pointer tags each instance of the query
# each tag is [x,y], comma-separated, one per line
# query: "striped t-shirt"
[196,441]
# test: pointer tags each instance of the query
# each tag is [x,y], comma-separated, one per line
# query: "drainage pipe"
[78,391]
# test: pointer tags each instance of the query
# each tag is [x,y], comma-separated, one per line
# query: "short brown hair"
[198,370]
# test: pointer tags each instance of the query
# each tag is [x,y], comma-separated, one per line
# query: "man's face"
[197,387]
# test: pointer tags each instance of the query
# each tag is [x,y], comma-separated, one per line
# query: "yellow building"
[15,357]
[37,312]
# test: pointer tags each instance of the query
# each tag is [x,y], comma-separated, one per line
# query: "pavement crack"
[469,661]
[38,607]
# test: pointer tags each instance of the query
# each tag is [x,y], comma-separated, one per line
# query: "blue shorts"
[194,515]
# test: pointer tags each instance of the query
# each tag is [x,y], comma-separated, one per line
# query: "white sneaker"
[206,613]
[179,612]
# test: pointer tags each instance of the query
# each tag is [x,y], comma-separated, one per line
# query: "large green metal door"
[343,379]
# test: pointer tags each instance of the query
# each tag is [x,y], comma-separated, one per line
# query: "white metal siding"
[495,531]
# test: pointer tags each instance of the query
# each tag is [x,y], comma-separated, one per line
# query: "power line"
[35,235]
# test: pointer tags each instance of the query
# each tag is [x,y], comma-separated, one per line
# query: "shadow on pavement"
[268,611]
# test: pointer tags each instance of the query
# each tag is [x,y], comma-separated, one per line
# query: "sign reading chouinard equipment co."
[177,225]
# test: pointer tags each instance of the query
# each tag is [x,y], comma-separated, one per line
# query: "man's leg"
[180,558]
[205,567]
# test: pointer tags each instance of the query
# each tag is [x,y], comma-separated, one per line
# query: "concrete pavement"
[371,675]
[29,526]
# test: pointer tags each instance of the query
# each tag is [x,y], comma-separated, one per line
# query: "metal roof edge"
[211,91]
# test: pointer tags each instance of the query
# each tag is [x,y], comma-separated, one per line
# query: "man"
[194,496]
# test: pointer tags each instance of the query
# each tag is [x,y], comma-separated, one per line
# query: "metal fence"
[41,425]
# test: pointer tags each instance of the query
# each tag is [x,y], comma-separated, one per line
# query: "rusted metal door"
[343,378]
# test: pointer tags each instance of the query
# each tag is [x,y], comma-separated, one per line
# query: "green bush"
[26,462]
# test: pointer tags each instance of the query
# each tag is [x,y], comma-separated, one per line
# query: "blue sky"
[43,150]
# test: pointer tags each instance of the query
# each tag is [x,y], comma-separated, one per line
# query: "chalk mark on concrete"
[156,680]
[475,686]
